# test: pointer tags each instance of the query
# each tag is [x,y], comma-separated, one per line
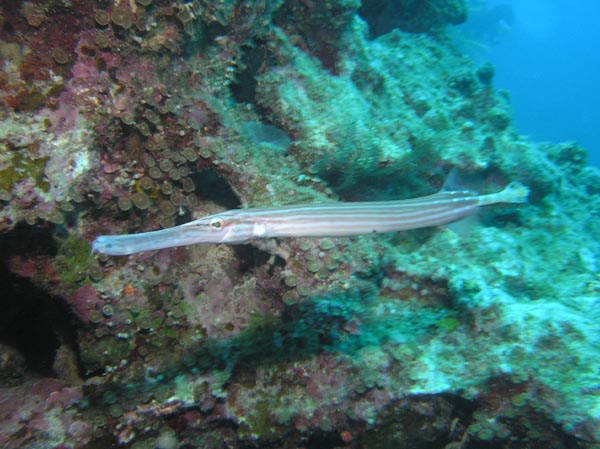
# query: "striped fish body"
[348,219]
[312,220]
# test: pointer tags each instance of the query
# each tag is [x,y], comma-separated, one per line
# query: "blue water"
[548,60]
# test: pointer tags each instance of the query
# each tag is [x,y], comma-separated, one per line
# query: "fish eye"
[216,224]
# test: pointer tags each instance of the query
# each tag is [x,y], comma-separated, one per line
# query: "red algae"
[83,301]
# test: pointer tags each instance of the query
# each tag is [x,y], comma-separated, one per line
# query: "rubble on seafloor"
[121,117]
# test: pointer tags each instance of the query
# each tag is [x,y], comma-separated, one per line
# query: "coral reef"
[412,16]
[123,117]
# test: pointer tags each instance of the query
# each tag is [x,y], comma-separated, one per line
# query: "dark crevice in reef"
[322,439]
[250,257]
[211,186]
[420,422]
[30,240]
[33,321]
[254,57]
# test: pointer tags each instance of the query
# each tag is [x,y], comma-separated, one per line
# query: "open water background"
[548,56]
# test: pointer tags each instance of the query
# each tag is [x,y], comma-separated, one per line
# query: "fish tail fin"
[515,192]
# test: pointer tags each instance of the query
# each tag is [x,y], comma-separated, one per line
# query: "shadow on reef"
[303,331]
[33,320]
[340,324]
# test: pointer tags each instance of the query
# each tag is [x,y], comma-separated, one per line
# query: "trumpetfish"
[336,219]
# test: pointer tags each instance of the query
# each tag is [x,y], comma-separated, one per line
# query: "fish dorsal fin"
[458,179]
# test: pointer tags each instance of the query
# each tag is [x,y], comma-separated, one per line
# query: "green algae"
[31,101]
[449,323]
[260,422]
[103,351]
[8,177]
[520,399]
[24,165]
[74,261]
